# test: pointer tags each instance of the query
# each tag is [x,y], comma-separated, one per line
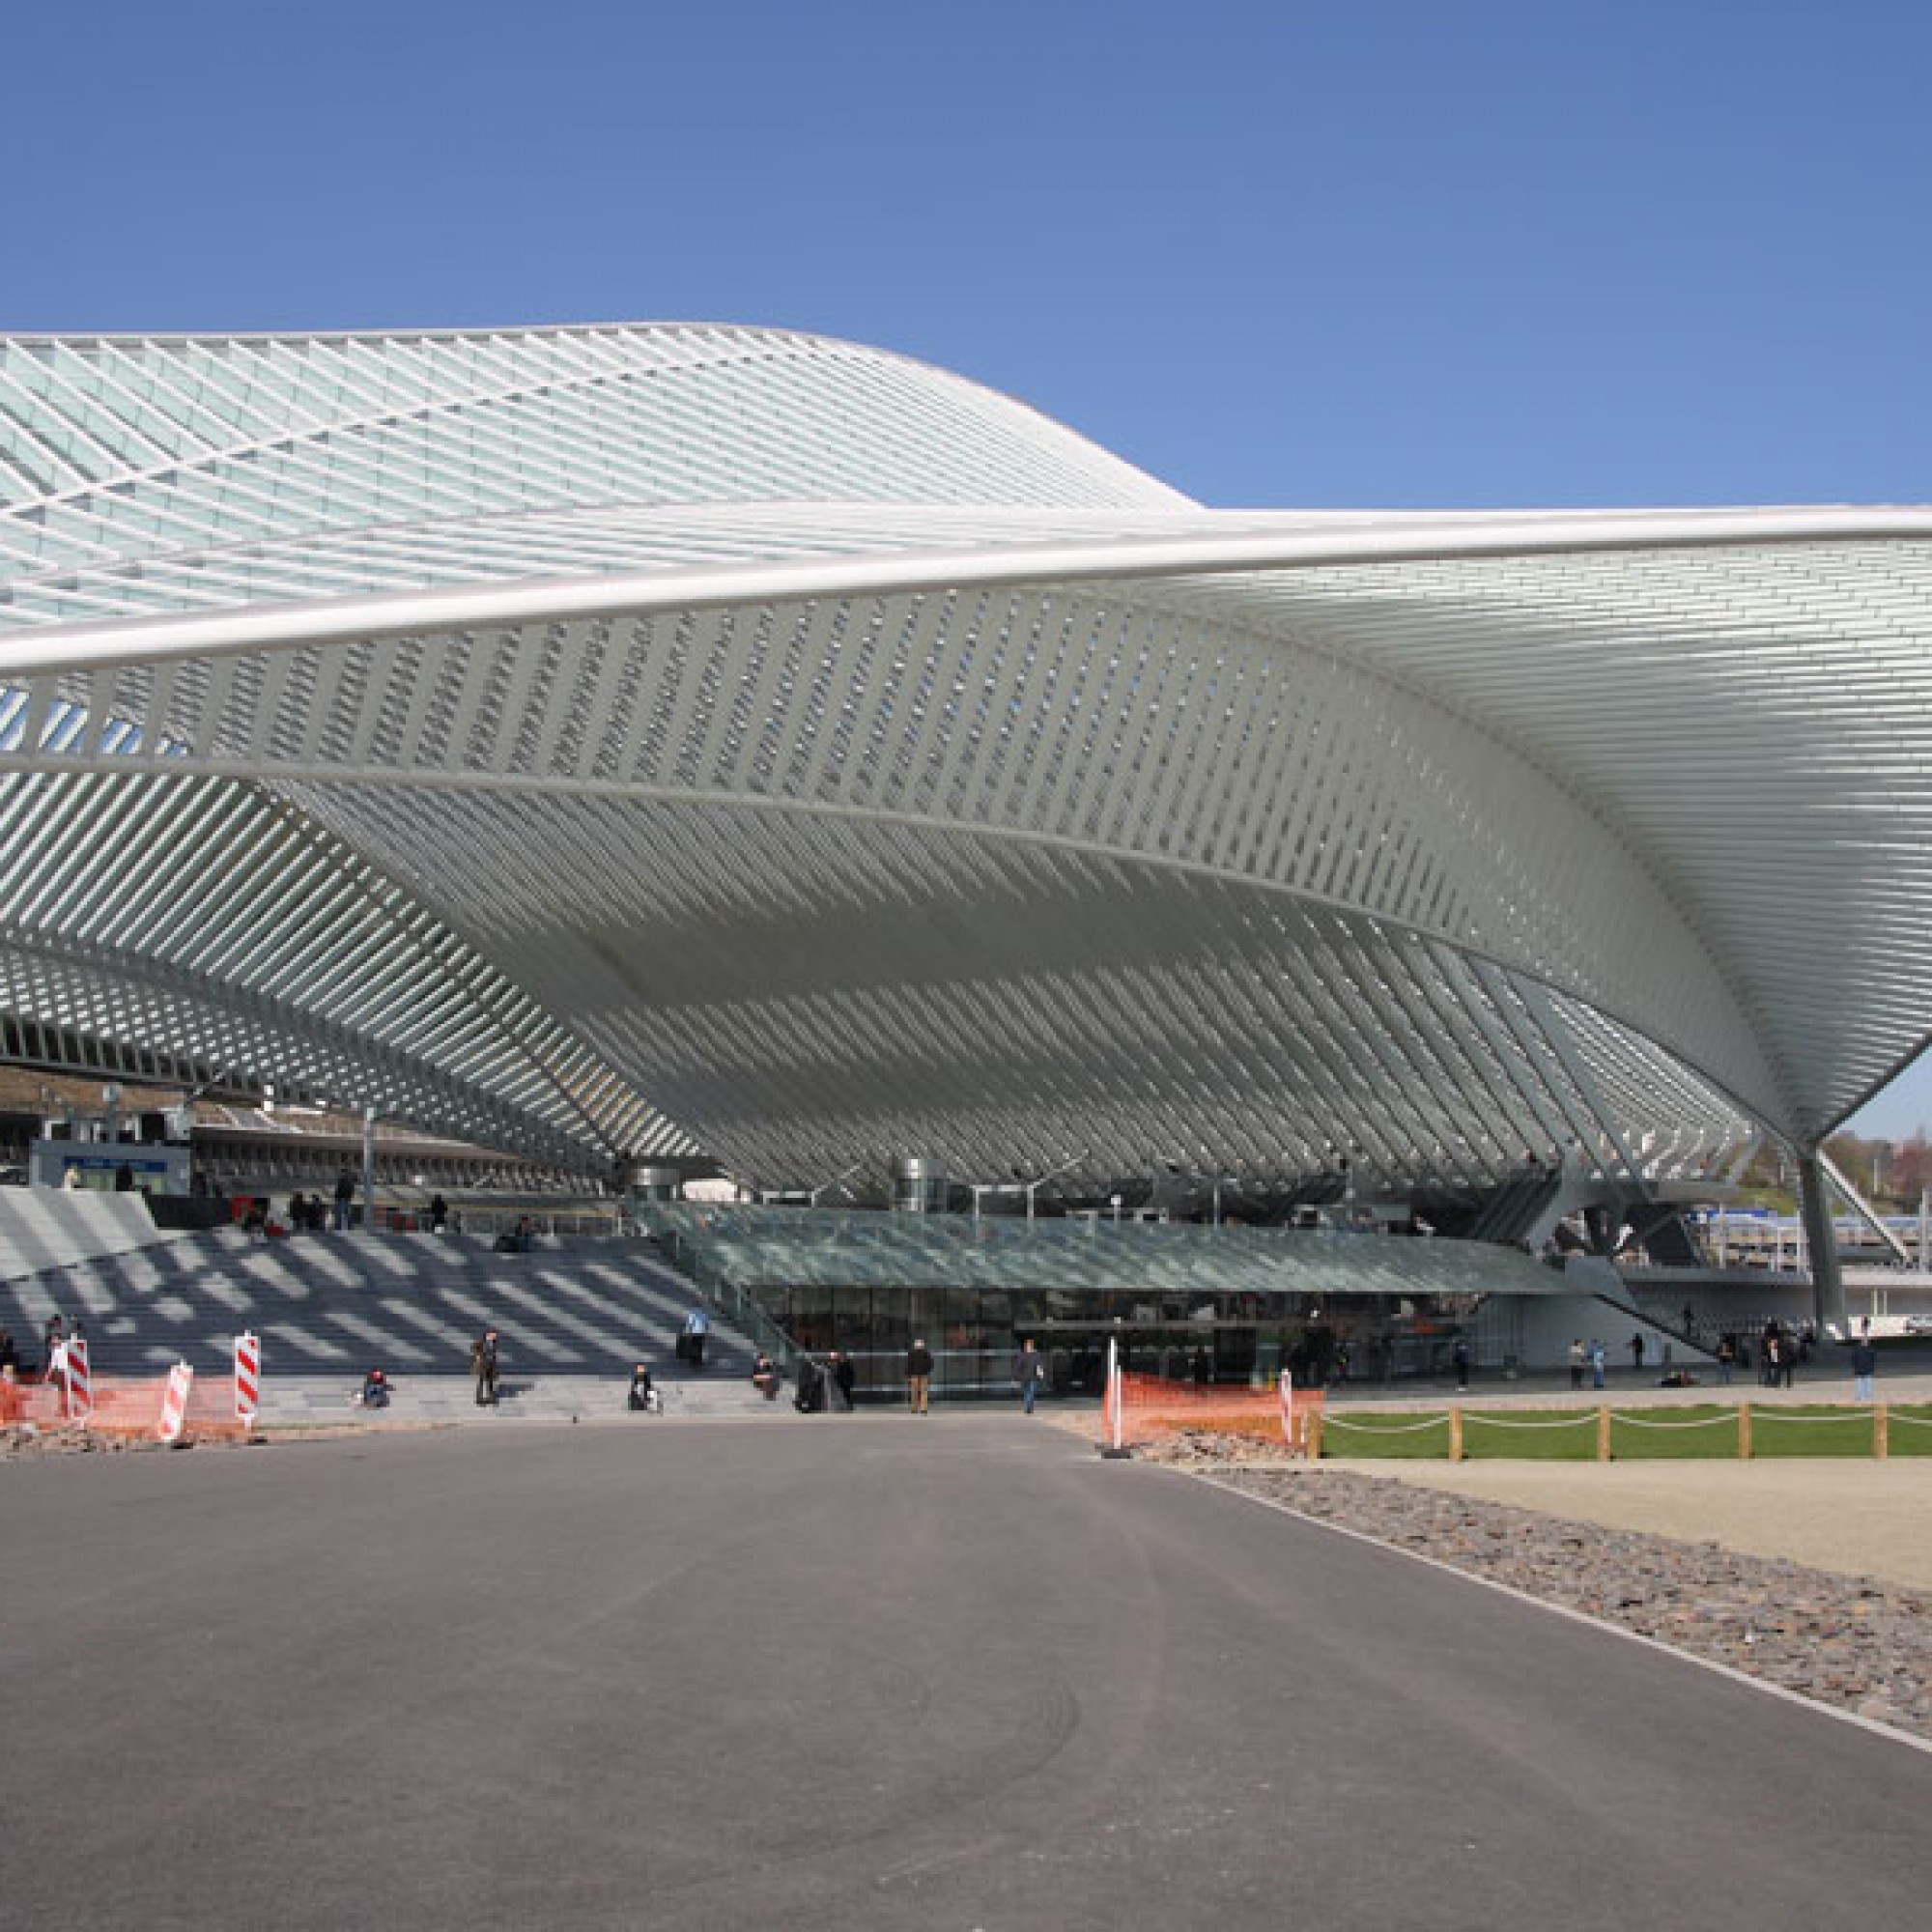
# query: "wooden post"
[1314,1419]
[1744,1432]
[1604,1432]
[1881,1432]
[1456,1432]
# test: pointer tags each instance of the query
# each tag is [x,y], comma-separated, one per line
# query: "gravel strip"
[1856,1642]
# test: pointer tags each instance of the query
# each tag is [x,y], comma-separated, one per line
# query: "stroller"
[810,1396]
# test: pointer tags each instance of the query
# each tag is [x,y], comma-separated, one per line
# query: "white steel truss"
[654,740]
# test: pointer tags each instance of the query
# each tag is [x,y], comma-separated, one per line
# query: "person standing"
[345,1200]
[919,1377]
[484,1354]
[1864,1364]
[1636,1354]
[1030,1372]
[1459,1356]
[53,1372]
[1727,1357]
[1598,1363]
[844,1377]
[1576,1362]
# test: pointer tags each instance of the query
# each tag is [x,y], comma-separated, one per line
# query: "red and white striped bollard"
[247,1378]
[76,1381]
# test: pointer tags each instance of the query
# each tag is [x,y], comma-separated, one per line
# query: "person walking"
[1864,1365]
[919,1377]
[1030,1372]
[345,1200]
[1636,1354]
[697,1327]
[1727,1358]
[1459,1356]
[483,1359]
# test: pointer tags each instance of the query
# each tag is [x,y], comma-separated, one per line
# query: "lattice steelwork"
[646,740]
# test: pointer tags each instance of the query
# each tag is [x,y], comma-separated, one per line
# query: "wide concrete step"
[311,1401]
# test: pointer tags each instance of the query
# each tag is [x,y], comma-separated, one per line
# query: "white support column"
[369,1169]
[1814,1203]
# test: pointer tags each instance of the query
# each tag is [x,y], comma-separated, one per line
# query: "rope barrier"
[1385,1428]
[1897,1415]
[1511,1421]
[1724,1421]
[1760,1416]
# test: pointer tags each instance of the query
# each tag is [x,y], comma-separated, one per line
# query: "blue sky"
[1288,252]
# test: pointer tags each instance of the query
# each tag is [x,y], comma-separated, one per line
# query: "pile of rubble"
[21,1439]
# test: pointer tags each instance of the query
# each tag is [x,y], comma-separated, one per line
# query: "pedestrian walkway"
[294,1403]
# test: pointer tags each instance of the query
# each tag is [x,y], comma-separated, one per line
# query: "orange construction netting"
[1142,1408]
[128,1406]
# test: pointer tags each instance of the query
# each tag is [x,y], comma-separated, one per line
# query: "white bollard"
[174,1401]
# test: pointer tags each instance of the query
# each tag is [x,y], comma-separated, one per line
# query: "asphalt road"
[856,1673]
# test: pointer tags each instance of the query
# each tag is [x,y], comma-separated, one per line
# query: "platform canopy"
[640,741]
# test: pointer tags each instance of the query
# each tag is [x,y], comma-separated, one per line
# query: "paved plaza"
[863,1672]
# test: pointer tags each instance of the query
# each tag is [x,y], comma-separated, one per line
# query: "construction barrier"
[1144,1408]
[76,1381]
[247,1379]
[123,1405]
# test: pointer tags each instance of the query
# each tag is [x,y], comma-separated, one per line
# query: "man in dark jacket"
[1864,1364]
[844,1377]
[1030,1372]
[919,1377]
[483,1359]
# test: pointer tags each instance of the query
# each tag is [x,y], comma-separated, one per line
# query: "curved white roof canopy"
[645,740]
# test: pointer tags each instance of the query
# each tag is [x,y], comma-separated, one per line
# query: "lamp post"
[1034,1186]
[1222,1180]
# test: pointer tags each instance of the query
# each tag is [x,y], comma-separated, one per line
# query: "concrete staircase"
[573,1317]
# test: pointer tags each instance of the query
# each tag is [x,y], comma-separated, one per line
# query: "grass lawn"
[1810,1429]
[1703,1433]
[1413,1438]
[1530,1435]
[1910,1430]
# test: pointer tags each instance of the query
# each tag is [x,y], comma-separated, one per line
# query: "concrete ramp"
[43,1228]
